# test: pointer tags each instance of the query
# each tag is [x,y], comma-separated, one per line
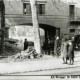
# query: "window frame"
[41,11]
[29,8]
[72,30]
[38,2]
[72,11]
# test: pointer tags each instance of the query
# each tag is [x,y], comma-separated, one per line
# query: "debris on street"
[30,53]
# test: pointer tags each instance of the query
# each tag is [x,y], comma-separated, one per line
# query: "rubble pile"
[30,53]
[13,53]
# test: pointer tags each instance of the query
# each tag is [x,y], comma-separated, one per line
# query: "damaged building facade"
[54,16]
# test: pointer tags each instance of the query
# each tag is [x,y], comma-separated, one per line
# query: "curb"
[12,74]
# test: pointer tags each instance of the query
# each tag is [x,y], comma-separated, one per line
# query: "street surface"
[46,66]
[30,78]
[68,71]
[46,74]
[62,71]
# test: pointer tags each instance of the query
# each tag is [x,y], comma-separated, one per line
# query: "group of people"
[67,51]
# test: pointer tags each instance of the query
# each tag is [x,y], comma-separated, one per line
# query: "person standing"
[49,46]
[71,52]
[25,44]
[56,46]
[64,51]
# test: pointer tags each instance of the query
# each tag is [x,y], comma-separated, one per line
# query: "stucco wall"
[56,13]
[13,7]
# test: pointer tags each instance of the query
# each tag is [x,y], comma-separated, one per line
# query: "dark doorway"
[50,32]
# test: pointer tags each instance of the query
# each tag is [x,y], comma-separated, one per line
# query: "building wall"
[13,7]
[56,13]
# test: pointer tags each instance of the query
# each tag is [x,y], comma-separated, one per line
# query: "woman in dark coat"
[71,51]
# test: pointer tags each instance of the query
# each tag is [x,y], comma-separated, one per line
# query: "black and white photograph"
[39,39]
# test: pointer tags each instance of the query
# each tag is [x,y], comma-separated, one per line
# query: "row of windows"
[27,8]
[41,9]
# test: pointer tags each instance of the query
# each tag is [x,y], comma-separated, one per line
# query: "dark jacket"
[25,45]
[70,50]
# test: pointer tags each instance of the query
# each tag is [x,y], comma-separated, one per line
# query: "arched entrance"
[50,32]
[47,34]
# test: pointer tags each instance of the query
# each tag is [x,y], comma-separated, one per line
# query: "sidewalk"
[28,66]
